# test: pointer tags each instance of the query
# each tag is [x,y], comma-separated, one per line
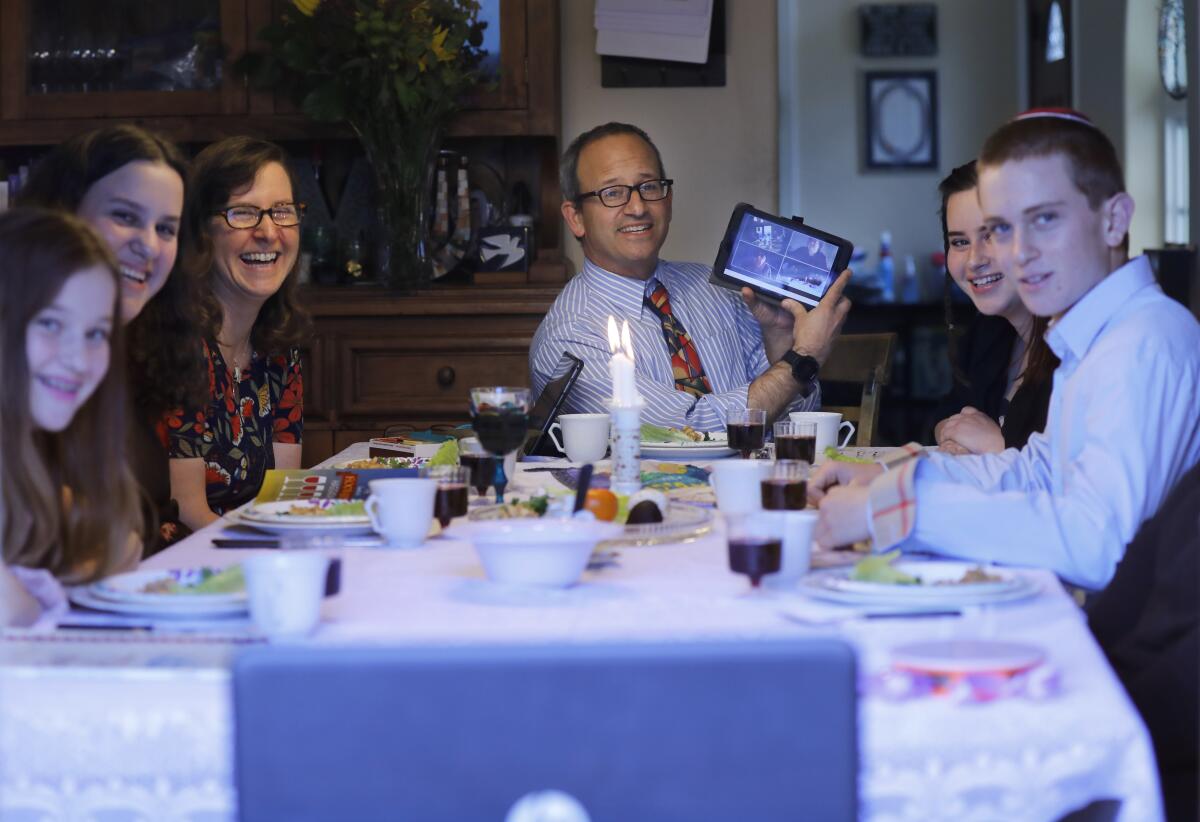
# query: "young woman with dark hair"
[68,504]
[1002,365]
[127,184]
[241,240]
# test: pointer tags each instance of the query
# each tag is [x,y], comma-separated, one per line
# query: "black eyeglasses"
[617,196]
[284,215]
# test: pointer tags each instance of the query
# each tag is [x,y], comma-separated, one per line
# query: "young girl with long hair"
[68,505]
[1002,366]
[128,185]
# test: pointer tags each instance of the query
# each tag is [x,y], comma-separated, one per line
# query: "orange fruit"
[602,503]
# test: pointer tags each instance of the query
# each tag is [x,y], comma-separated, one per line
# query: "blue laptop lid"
[747,731]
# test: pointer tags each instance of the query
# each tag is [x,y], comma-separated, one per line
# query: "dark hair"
[1095,168]
[166,366]
[42,249]
[217,172]
[1042,362]
[62,178]
[568,166]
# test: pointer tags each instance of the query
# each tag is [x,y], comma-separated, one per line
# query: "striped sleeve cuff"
[901,455]
[893,505]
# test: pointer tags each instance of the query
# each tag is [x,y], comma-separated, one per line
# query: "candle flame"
[614,341]
[626,342]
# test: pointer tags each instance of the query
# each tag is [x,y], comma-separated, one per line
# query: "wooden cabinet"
[52,86]
[77,59]
[48,53]
[376,359]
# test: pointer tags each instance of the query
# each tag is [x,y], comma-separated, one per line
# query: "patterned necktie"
[685,360]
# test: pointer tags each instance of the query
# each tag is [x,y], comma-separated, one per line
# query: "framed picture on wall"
[901,120]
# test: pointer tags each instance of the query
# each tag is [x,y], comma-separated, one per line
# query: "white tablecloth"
[141,730]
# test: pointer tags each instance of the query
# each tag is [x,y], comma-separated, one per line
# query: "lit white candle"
[621,368]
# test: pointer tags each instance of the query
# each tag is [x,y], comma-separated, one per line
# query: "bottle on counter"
[462,216]
[887,267]
[440,230]
[910,285]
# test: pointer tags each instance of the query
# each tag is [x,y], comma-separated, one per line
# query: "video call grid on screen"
[781,260]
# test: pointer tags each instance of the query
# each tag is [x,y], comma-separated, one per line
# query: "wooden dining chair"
[866,360]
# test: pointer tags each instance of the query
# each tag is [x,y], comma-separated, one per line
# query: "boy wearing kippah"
[1122,425]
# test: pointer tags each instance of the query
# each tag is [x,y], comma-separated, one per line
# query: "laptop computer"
[685,731]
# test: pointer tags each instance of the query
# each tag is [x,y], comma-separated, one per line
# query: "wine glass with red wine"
[450,499]
[746,430]
[796,441]
[785,487]
[500,417]
[755,547]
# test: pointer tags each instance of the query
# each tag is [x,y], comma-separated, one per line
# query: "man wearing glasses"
[700,351]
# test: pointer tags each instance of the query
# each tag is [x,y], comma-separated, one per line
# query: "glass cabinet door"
[82,58]
[504,38]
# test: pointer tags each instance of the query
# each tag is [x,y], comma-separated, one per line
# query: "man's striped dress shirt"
[725,334]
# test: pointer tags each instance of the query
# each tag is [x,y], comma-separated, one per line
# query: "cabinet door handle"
[445,376]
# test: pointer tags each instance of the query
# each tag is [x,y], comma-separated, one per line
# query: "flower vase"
[404,184]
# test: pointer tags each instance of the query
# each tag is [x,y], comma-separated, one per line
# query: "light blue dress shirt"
[1123,427]
[725,334]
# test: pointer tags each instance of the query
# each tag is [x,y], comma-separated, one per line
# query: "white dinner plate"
[715,448]
[131,588]
[404,462]
[948,657]
[81,595]
[276,517]
[836,586]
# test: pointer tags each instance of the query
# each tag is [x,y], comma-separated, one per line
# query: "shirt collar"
[1077,330]
[625,294]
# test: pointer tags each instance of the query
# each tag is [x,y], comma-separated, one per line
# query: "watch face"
[1172,48]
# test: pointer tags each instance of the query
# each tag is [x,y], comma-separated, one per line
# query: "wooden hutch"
[376,358]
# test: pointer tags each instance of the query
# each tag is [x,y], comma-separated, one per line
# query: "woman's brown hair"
[1042,362]
[218,171]
[88,535]
[166,366]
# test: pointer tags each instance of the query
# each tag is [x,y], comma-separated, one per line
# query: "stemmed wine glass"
[500,417]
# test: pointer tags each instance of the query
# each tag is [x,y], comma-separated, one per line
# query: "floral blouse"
[234,434]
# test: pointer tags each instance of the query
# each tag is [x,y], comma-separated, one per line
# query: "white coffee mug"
[738,485]
[401,509]
[584,436]
[829,428]
[285,590]
[795,528]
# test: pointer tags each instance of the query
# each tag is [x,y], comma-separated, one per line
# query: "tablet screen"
[781,260]
[550,402]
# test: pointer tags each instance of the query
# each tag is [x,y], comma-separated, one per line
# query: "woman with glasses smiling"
[242,238]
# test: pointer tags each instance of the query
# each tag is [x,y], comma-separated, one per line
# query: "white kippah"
[1055,113]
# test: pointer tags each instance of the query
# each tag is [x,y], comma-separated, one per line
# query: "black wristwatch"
[804,370]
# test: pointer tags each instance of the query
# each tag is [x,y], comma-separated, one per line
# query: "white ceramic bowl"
[549,553]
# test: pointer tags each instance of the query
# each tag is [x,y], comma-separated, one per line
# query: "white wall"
[719,144]
[977,74]
[1145,102]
